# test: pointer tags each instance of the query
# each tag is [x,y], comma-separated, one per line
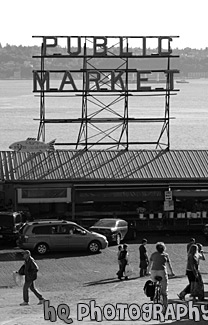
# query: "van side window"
[71,230]
[63,229]
[78,231]
[42,230]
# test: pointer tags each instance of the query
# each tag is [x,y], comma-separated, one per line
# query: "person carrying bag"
[29,269]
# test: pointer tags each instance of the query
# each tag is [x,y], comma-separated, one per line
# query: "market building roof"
[104,165]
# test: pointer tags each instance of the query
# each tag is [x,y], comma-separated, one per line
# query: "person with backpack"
[30,270]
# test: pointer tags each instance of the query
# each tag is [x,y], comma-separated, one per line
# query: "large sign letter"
[78,51]
[140,79]
[41,81]
[45,45]
[100,48]
[160,49]
[93,76]
[122,53]
[117,80]
[64,82]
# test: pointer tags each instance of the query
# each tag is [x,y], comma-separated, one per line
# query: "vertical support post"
[73,204]
[41,130]
[168,105]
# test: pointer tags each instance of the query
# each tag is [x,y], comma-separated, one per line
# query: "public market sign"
[101,47]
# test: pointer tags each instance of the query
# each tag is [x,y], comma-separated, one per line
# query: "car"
[58,235]
[114,229]
[10,223]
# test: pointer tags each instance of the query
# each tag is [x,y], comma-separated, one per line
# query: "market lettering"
[95,81]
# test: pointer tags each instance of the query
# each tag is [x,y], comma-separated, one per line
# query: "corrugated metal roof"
[117,165]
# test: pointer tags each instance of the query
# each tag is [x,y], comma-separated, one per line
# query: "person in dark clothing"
[123,258]
[144,261]
[29,269]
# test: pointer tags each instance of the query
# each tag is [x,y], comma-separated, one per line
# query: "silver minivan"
[44,235]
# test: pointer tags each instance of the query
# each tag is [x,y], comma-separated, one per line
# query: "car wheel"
[118,239]
[41,248]
[94,247]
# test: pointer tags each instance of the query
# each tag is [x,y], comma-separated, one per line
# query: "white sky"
[22,19]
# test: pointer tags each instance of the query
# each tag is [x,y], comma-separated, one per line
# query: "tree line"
[18,62]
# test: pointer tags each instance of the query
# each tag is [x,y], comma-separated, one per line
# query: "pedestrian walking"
[30,270]
[158,266]
[144,261]
[195,286]
[192,242]
[123,257]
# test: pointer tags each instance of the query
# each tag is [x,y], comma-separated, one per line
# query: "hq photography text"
[125,312]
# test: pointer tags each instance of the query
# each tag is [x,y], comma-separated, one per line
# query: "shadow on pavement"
[110,280]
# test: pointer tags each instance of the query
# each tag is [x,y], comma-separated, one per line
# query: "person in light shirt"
[158,266]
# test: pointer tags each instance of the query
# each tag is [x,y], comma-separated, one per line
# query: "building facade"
[154,190]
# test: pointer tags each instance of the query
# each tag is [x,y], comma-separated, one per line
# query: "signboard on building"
[169,205]
[117,195]
[168,195]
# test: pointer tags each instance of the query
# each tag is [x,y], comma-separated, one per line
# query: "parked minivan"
[44,235]
[10,223]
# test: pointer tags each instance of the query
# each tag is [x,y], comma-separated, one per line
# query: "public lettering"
[102,47]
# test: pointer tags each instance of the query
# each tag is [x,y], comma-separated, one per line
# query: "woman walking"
[158,266]
[193,275]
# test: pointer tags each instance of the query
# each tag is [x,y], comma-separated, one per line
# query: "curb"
[11,254]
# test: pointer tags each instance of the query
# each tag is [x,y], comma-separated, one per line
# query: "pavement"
[72,303]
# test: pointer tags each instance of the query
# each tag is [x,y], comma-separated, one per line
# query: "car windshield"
[105,223]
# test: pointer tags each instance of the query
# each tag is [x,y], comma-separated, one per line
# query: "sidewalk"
[130,292]
[73,280]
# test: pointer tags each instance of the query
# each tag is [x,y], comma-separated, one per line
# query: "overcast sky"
[22,19]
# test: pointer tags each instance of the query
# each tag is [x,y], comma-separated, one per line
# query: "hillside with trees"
[17,62]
